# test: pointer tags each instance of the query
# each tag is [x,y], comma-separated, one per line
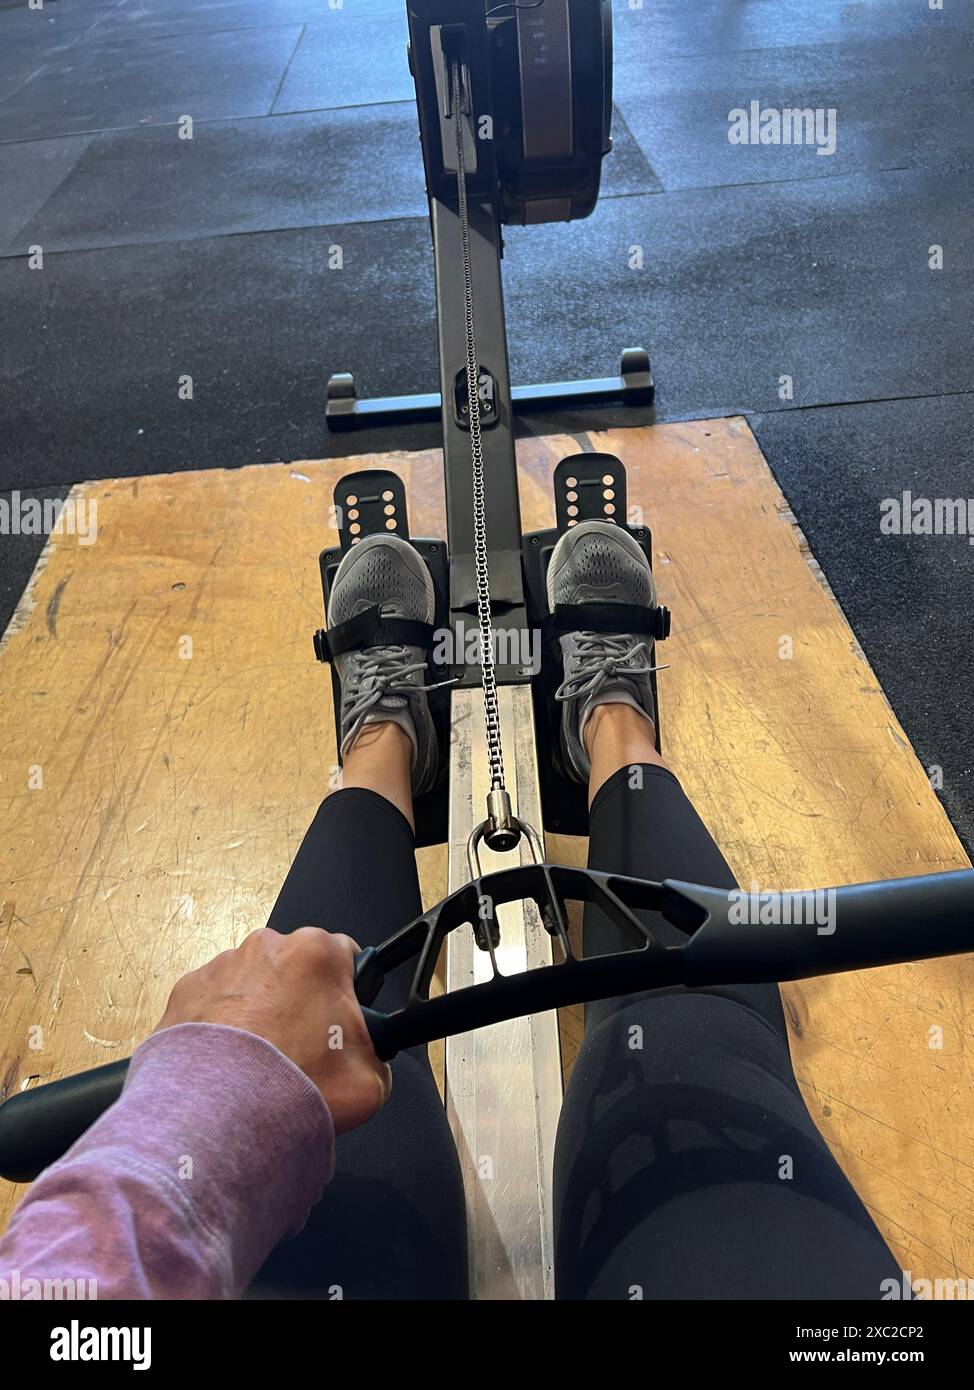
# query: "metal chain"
[492,723]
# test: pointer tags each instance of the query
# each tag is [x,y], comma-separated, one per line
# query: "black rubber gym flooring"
[802,289]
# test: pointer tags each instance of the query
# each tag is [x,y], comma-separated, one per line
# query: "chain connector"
[502,830]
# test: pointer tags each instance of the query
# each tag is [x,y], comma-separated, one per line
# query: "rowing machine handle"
[39,1126]
[878,924]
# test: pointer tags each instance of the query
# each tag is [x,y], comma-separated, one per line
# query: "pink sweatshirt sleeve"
[218,1147]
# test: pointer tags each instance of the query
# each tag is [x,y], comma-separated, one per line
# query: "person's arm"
[222,1139]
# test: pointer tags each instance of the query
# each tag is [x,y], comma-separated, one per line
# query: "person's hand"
[297,992]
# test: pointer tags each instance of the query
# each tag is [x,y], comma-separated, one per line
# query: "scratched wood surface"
[169,737]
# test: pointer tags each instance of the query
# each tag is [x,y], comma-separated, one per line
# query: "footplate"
[367,503]
[588,487]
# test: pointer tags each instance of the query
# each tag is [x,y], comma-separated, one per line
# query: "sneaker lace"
[375,673]
[601,657]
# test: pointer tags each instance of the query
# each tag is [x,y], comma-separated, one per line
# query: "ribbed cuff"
[238,1126]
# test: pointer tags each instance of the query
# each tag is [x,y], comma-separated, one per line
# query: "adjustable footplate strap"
[607,617]
[370,629]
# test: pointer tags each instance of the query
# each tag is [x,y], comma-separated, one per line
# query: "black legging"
[686,1164]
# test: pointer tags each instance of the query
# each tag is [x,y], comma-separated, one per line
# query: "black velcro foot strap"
[371,629]
[608,617]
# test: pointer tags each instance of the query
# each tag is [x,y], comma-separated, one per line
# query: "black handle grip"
[38,1126]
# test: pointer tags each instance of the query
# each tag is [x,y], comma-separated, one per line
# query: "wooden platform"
[155,789]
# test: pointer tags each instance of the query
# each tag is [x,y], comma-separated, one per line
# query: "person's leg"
[392,1222]
[687,1165]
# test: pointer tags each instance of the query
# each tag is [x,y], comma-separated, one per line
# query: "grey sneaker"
[599,562]
[384,684]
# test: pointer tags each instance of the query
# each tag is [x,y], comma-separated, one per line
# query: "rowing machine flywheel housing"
[551,75]
[541,102]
